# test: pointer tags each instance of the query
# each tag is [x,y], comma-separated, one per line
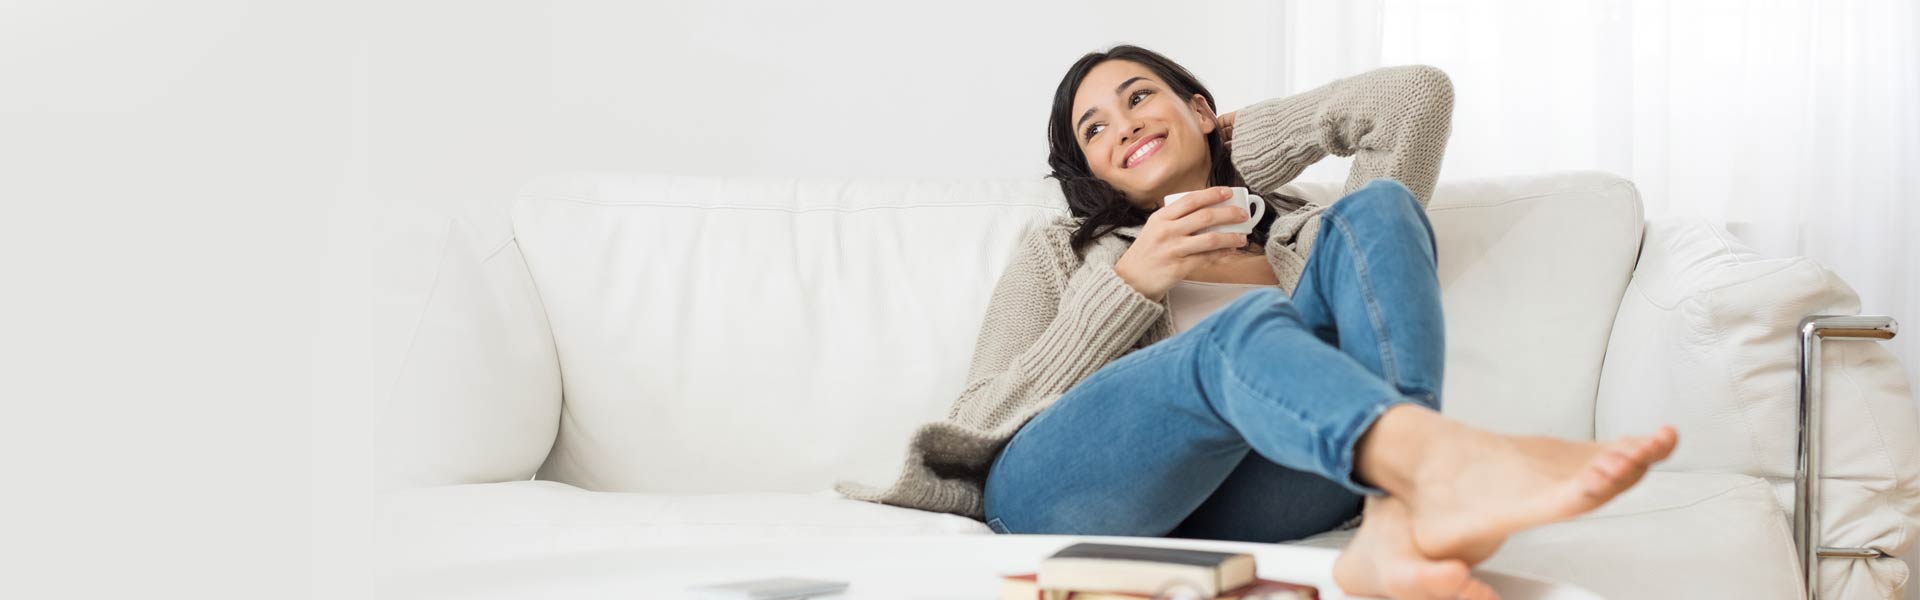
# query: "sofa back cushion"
[748,334]
[1531,271]
[720,334]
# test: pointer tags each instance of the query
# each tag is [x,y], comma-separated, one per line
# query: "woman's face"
[1138,136]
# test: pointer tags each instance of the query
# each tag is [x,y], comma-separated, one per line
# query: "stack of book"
[1121,572]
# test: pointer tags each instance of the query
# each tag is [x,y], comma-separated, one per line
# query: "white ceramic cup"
[1255,206]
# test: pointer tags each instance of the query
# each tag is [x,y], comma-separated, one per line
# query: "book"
[1144,569]
[1026,586]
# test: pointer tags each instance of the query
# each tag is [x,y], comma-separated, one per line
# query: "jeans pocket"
[997,526]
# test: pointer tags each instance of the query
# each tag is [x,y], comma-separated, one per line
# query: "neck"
[1194,179]
[1185,182]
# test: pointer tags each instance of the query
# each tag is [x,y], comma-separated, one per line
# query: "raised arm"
[1394,121]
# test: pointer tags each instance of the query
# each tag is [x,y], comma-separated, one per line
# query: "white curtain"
[1794,123]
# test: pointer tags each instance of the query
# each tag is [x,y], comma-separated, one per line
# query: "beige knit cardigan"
[1054,319]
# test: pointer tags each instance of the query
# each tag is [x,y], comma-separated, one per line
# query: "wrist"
[1149,293]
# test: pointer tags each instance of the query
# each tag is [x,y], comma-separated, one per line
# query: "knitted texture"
[1054,319]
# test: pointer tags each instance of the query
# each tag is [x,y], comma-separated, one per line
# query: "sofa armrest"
[1707,338]
[466,377]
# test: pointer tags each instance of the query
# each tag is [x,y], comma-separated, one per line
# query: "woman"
[1137,377]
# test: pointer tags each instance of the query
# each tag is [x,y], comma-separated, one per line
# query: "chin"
[1152,182]
[1160,185]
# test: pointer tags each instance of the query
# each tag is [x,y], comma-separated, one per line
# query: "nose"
[1130,131]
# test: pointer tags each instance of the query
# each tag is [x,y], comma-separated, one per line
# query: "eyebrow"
[1116,91]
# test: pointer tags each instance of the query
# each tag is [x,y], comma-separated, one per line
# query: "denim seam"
[1346,478]
[1205,331]
[1280,407]
[1387,361]
[1349,454]
[999,525]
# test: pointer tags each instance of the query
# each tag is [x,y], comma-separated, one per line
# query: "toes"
[1478,590]
[1668,438]
[1442,579]
[1608,473]
[1595,482]
[1613,464]
[1640,449]
[1645,450]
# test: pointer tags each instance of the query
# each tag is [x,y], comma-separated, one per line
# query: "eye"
[1132,100]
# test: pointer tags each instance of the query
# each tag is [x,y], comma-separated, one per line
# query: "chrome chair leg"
[1806,474]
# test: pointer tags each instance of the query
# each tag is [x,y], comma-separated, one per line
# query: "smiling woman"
[1128,101]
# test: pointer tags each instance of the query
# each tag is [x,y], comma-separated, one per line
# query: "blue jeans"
[1244,427]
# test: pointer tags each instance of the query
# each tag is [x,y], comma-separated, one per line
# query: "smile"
[1149,148]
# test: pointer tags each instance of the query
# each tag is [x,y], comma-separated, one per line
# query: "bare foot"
[1478,487]
[1381,560]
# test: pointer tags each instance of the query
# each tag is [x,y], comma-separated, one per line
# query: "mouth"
[1143,150]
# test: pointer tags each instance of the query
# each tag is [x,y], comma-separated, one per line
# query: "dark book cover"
[1180,556]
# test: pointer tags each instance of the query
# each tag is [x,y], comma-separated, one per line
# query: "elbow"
[1432,87]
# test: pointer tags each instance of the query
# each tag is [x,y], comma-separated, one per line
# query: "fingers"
[1203,243]
[1226,129]
[1193,202]
[1211,212]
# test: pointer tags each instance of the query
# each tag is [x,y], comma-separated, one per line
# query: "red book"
[1026,586]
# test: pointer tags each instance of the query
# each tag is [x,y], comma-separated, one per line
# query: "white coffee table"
[958,567]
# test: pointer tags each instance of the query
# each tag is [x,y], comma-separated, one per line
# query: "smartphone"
[773,588]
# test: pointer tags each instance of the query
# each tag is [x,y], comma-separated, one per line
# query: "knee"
[1382,193]
[1382,202]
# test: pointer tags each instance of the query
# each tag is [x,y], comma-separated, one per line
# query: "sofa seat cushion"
[458,524]
[1675,535]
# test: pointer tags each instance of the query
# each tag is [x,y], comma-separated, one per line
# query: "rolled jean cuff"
[1349,453]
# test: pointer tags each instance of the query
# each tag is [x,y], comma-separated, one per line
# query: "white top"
[1192,301]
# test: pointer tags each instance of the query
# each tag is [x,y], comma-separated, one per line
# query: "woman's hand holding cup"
[1172,243]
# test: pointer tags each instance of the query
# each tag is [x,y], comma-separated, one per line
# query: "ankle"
[1390,452]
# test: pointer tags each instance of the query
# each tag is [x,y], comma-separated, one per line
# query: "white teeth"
[1137,154]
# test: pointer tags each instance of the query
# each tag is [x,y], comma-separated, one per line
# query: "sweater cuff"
[1274,140]
[1108,317]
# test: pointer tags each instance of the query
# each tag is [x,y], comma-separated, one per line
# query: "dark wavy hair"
[1098,206]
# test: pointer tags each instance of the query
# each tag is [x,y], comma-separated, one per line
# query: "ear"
[1208,120]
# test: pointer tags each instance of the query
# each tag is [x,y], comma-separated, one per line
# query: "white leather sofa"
[630,359]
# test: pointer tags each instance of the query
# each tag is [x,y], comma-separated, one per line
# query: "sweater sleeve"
[1051,322]
[1394,121]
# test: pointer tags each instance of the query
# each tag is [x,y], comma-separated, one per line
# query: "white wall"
[505,91]
[166,175]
